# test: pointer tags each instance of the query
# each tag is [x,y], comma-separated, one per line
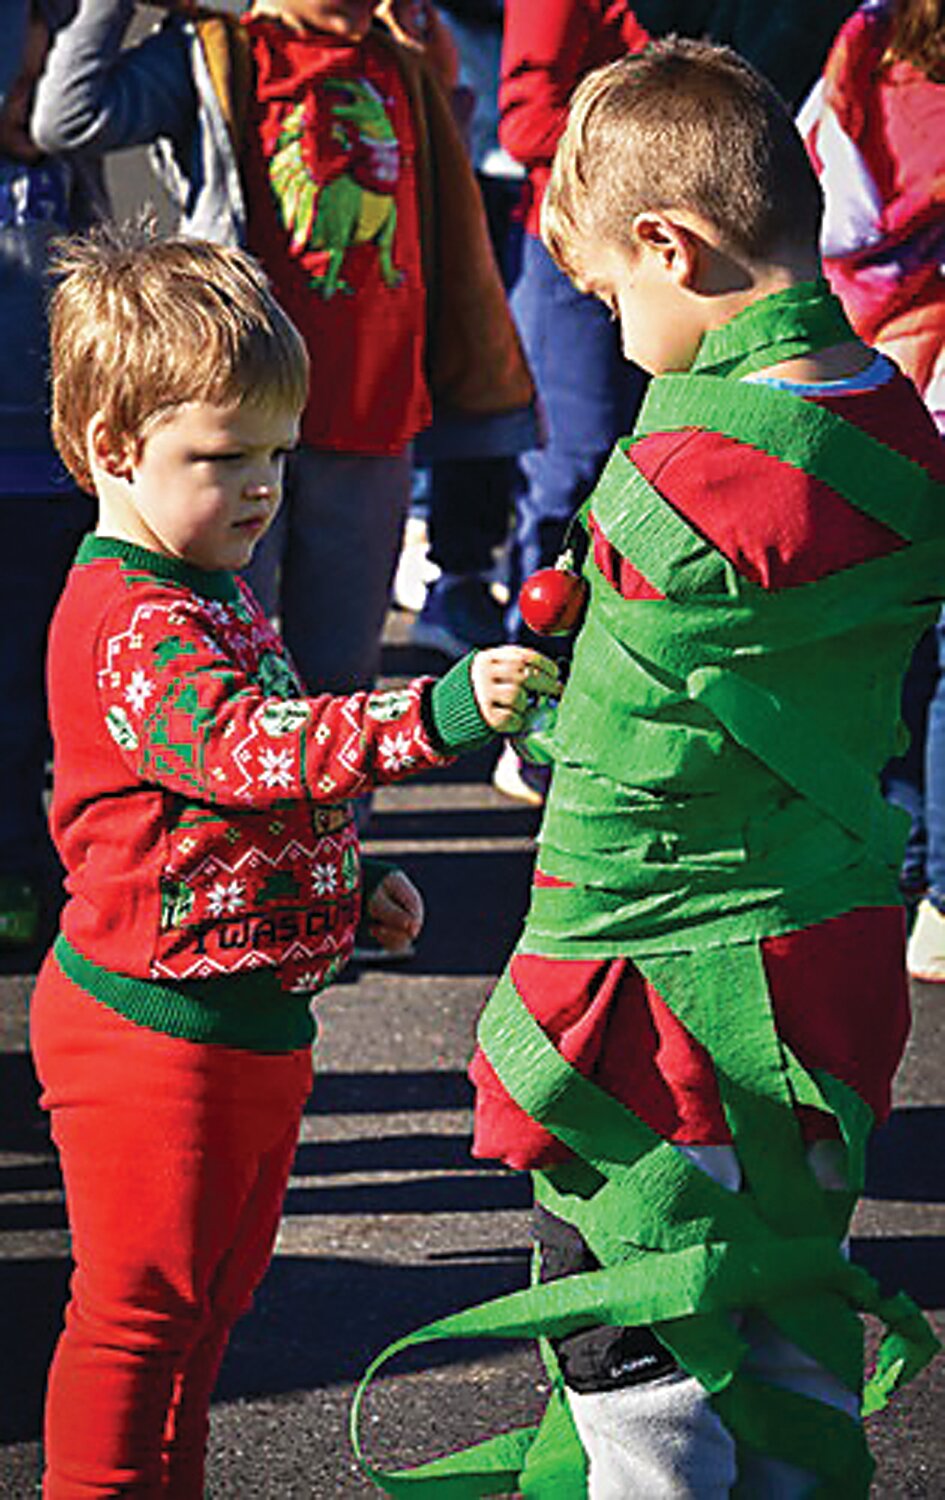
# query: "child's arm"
[184,715]
[546,48]
[416,23]
[95,96]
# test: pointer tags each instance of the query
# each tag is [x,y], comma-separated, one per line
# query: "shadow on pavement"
[430,1195]
[320,1322]
[475,904]
[403,1091]
[912,1263]
[387,1153]
[23,1125]
[32,1296]
[906,1157]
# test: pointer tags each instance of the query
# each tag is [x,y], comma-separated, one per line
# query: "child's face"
[660,326]
[343,18]
[205,482]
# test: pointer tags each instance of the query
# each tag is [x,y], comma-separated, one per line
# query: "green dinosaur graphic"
[355,208]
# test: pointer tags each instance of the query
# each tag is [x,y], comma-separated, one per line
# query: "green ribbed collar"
[218,584]
[796,321]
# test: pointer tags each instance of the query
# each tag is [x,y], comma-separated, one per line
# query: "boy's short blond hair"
[682,125]
[141,325]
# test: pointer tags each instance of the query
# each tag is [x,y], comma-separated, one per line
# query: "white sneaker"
[925,954]
[515,778]
[415,572]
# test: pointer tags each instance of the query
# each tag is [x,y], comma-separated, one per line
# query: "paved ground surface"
[389,1222]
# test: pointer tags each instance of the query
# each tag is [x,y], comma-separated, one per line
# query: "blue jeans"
[915,780]
[471,499]
[590,396]
[325,568]
[41,533]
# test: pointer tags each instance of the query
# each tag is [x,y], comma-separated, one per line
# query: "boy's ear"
[672,243]
[114,458]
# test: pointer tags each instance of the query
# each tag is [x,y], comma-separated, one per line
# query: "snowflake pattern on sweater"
[194,776]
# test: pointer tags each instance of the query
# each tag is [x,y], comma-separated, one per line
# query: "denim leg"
[42,533]
[904,778]
[470,501]
[326,567]
[589,394]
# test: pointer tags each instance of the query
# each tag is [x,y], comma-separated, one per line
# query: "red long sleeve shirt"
[546,51]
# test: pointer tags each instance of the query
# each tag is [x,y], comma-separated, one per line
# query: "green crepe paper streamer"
[556,1464]
[907,1350]
[699,687]
[801,318]
[797,1430]
[856,1123]
[888,486]
[713,1276]
[832,781]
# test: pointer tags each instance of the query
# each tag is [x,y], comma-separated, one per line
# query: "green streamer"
[778,706]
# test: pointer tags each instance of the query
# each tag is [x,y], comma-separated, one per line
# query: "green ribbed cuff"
[457,723]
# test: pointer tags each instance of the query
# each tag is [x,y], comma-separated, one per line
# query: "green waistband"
[249,1010]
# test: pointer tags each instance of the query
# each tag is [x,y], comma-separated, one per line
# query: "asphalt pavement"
[389,1222]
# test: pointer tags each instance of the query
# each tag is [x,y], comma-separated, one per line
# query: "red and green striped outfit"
[713,952]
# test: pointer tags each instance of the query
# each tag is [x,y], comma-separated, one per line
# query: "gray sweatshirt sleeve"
[94,96]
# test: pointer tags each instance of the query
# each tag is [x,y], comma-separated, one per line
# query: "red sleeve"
[547,49]
[777,525]
[543,49]
[185,715]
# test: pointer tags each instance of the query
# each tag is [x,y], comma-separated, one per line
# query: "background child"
[589,393]
[709,994]
[202,811]
[41,511]
[875,130]
[329,149]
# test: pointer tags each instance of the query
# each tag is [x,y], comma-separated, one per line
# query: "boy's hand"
[506,678]
[395,912]
[415,24]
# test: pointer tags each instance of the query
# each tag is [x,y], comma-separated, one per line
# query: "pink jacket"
[877,138]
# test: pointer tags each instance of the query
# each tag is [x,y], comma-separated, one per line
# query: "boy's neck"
[738,288]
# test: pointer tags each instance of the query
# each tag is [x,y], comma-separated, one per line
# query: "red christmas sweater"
[838,988]
[329,168]
[546,51]
[200,801]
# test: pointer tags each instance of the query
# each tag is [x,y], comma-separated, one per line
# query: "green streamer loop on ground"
[720,685]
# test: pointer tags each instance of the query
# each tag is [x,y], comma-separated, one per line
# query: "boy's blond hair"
[141,325]
[683,125]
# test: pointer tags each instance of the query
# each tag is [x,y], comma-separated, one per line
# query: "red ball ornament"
[552,600]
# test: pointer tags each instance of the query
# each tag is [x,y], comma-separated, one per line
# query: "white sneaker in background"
[925,954]
[415,571]
[516,778]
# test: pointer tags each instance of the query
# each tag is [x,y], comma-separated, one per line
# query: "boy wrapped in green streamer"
[700,1024]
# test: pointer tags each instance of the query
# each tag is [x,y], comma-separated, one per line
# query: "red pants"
[175,1156]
